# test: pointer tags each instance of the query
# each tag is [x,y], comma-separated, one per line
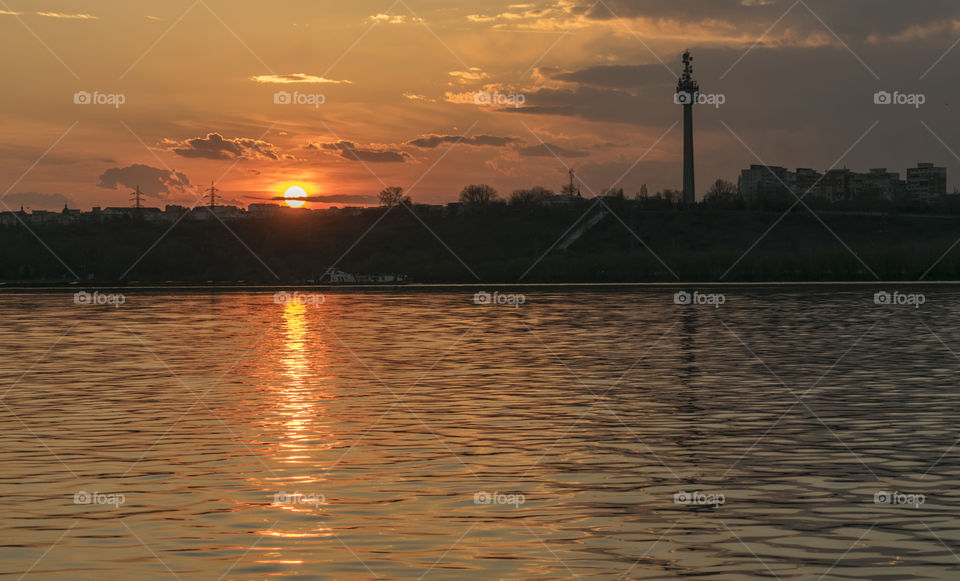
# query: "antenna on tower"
[137,197]
[686,83]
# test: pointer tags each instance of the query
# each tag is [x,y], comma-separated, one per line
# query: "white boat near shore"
[337,276]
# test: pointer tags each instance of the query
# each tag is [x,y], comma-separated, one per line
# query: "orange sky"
[397,84]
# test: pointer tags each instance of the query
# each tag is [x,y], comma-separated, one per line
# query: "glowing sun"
[295,196]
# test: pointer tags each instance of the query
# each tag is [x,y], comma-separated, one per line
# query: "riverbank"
[494,245]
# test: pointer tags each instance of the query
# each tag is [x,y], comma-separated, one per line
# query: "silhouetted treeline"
[495,242]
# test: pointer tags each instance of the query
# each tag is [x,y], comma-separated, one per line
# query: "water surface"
[409,435]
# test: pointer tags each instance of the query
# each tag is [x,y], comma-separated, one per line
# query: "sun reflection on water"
[301,391]
[302,426]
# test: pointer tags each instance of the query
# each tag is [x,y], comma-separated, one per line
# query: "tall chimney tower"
[688,92]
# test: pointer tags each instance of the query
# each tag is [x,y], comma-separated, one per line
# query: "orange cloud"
[297,78]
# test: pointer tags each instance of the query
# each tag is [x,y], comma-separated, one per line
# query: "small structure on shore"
[338,276]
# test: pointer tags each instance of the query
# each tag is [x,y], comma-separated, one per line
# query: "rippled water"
[408,435]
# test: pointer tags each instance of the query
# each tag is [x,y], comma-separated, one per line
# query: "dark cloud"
[349,150]
[216,146]
[336,199]
[855,19]
[152,181]
[550,150]
[597,104]
[433,141]
[615,76]
[770,88]
[692,10]
[36,201]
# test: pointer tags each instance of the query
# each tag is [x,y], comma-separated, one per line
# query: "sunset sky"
[399,81]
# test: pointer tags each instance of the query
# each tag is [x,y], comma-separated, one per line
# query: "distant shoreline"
[71,287]
[623,245]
